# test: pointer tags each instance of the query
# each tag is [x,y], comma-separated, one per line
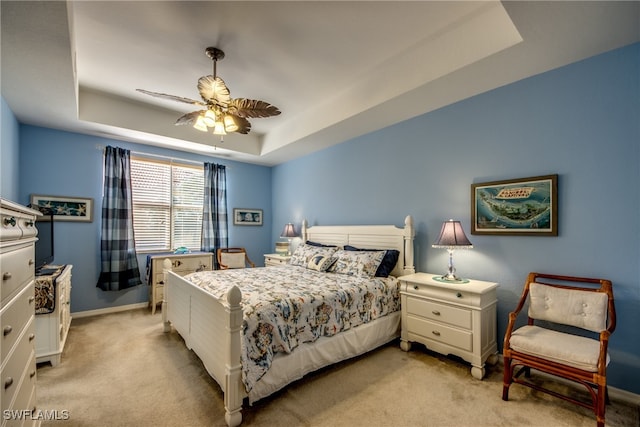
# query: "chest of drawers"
[17,312]
[450,318]
[181,264]
[52,328]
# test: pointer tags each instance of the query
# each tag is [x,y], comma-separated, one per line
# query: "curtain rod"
[159,156]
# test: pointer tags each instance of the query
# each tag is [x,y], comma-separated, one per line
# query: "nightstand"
[450,318]
[275,260]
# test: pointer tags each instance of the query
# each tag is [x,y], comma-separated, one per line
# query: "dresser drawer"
[14,317]
[190,264]
[25,396]
[456,316]
[15,367]
[459,338]
[17,268]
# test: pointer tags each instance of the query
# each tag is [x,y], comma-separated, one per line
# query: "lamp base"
[444,279]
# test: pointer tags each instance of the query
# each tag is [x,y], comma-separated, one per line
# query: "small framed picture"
[242,216]
[64,208]
[516,207]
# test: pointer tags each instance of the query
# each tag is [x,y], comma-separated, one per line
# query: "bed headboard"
[369,237]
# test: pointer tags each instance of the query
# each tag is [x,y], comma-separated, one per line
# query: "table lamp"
[289,232]
[451,237]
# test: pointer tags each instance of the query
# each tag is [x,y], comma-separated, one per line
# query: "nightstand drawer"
[443,294]
[441,333]
[441,312]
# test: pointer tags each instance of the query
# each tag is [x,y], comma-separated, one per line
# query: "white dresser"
[52,327]
[450,318]
[276,260]
[181,264]
[17,312]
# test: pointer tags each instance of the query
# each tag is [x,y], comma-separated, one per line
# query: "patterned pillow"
[388,262]
[303,254]
[320,263]
[357,263]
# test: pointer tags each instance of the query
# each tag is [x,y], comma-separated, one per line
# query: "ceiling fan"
[222,113]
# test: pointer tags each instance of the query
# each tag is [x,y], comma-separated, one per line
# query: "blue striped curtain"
[215,227]
[119,268]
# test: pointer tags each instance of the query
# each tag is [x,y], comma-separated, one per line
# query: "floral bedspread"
[285,307]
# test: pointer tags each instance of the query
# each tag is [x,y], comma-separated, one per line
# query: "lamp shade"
[452,236]
[289,231]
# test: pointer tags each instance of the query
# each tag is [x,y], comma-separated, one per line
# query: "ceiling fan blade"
[172,97]
[252,108]
[213,90]
[244,126]
[189,118]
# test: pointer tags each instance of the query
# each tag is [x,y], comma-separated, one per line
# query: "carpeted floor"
[122,370]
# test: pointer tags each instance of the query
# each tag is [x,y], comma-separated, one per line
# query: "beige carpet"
[122,370]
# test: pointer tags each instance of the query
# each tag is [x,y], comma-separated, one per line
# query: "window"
[167,204]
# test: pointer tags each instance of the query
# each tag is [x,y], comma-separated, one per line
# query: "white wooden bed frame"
[211,327]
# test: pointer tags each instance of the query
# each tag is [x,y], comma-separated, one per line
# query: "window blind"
[167,204]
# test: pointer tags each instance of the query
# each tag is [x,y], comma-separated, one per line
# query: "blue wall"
[69,164]
[581,121]
[9,152]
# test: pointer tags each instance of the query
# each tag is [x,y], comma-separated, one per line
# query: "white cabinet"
[17,312]
[275,260]
[181,264]
[52,327]
[450,318]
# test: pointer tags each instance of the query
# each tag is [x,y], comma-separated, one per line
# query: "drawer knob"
[8,382]
[29,223]
[177,263]
[7,330]
[31,299]
[416,287]
[459,295]
[10,221]
[31,337]
[436,313]
[6,276]
[31,262]
[32,374]
[436,333]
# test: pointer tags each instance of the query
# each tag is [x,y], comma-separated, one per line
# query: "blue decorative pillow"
[322,245]
[388,262]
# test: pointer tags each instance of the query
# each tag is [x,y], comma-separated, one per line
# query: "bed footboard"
[211,328]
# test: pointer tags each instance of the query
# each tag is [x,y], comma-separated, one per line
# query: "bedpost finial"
[234,296]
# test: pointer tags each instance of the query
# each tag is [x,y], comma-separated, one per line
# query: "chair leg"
[507,378]
[600,404]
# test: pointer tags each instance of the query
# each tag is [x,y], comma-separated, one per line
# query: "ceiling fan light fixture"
[230,124]
[200,124]
[213,113]
[209,118]
[218,129]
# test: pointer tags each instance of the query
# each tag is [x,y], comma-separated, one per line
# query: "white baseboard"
[89,313]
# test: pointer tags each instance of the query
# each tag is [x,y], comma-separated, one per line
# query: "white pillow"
[232,260]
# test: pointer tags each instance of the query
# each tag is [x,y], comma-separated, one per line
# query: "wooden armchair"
[233,258]
[578,354]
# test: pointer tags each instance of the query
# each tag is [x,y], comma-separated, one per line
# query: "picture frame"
[245,216]
[77,209]
[516,207]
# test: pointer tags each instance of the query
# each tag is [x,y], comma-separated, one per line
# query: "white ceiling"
[336,70]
